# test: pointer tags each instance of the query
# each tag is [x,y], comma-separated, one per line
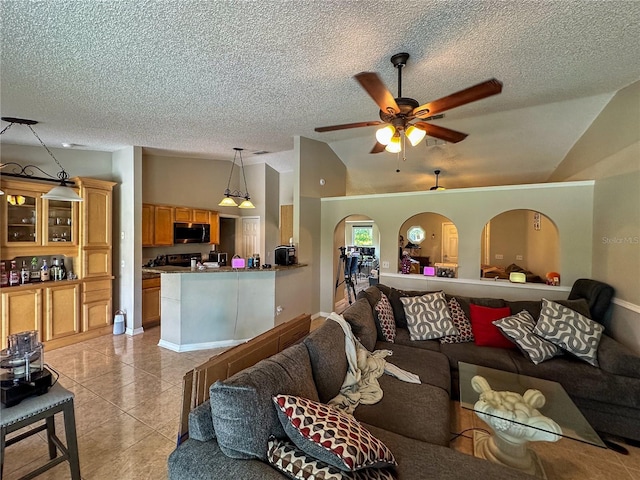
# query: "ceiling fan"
[398,113]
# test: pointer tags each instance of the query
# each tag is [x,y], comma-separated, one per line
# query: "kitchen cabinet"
[147,225]
[163,225]
[201,216]
[183,214]
[286,224]
[61,311]
[21,311]
[150,302]
[214,227]
[96,304]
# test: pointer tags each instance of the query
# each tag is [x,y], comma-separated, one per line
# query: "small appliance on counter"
[285,255]
[218,257]
[181,259]
[22,371]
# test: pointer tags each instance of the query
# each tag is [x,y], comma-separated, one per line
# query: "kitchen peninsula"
[220,307]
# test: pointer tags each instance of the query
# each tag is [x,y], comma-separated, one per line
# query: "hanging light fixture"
[436,186]
[228,200]
[62,191]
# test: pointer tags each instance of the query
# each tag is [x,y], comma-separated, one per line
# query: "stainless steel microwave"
[191,233]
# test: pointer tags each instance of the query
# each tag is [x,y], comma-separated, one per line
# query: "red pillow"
[486,333]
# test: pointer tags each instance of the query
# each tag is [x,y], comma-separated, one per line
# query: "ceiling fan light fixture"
[395,145]
[385,134]
[415,135]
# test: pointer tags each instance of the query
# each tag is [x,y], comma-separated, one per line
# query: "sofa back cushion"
[242,406]
[328,359]
[534,306]
[360,317]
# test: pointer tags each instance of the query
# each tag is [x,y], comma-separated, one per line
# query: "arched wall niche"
[429,238]
[520,239]
[343,236]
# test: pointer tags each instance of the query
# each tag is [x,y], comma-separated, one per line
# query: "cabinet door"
[61,313]
[21,311]
[200,216]
[96,217]
[286,224]
[59,222]
[150,306]
[147,225]
[96,304]
[183,214]
[96,262]
[214,222]
[163,225]
[22,210]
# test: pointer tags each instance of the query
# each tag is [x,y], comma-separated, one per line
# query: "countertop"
[172,269]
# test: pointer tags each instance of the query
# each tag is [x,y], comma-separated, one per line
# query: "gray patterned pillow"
[428,316]
[569,330]
[519,328]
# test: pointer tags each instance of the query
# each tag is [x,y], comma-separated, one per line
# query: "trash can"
[118,323]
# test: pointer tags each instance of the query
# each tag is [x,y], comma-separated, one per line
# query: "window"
[362,235]
[415,235]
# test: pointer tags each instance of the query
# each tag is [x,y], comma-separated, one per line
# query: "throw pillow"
[329,435]
[384,318]
[569,330]
[519,328]
[461,322]
[428,316]
[485,333]
[293,462]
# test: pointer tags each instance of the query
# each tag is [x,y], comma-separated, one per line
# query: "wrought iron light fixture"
[62,191]
[228,200]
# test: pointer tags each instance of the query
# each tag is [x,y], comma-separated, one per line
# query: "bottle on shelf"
[4,278]
[24,274]
[14,275]
[53,270]
[44,271]
[35,271]
[62,270]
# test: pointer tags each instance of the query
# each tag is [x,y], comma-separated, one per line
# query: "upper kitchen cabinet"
[214,222]
[96,212]
[157,225]
[147,225]
[190,215]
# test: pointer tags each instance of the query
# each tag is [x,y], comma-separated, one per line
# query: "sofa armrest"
[615,358]
[201,423]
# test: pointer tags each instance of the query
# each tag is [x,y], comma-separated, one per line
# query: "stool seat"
[43,407]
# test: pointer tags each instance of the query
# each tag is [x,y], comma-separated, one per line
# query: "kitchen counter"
[221,307]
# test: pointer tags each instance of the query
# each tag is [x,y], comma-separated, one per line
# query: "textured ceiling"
[201,77]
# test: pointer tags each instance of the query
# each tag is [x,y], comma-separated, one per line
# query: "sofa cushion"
[465,303]
[360,317]
[614,357]
[519,329]
[328,359]
[580,305]
[372,294]
[569,330]
[242,408]
[485,333]
[385,323]
[428,316]
[201,423]
[491,357]
[403,338]
[294,463]
[331,436]
[461,322]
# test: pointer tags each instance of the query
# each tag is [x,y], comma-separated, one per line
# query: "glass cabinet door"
[59,225]
[22,218]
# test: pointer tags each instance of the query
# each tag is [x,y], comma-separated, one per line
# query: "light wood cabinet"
[96,304]
[21,311]
[61,311]
[286,224]
[200,216]
[183,214]
[214,226]
[163,225]
[150,302]
[147,225]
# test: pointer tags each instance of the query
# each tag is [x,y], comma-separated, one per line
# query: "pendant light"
[61,192]
[228,200]
[436,186]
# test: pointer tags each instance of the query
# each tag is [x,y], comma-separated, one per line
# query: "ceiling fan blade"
[348,125]
[371,82]
[378,148]
[442,133]
[468,95]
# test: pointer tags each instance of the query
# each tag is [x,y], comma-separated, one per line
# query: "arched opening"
[522,241]
[356,241]
[429,239]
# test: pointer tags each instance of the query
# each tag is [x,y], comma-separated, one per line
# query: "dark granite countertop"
[173,269]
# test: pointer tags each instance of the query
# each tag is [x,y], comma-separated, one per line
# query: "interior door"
[449,243]
[250,236]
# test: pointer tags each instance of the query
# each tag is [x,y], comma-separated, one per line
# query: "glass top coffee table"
[520,409]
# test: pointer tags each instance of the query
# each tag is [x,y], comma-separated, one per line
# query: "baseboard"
[134,331]
[190,347]
[628,305]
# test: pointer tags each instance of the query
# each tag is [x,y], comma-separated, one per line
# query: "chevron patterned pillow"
[428,316]
[519,328]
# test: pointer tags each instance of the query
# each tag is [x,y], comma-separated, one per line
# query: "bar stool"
[43,407]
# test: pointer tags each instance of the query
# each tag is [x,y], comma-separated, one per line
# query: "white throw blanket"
[363,370]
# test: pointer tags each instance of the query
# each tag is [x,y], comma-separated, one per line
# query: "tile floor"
[127,404]
[128,394]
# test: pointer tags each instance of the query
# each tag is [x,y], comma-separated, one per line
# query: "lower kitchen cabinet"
[150,302]
[96,304]
[21,311]
[61,311]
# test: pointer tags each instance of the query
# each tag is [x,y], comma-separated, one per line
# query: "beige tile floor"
[563,460]
[127,404]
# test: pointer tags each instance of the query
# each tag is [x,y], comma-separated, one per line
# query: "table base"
[499,450]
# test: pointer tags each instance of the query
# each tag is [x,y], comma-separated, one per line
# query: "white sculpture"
[515,421]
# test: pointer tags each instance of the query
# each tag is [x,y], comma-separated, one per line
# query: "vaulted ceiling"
[197,78]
